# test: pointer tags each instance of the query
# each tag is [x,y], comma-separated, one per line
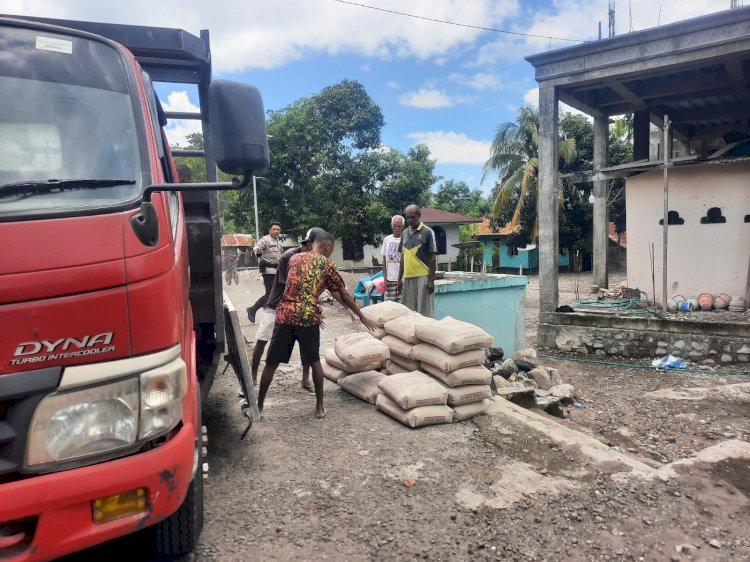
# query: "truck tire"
[178,534]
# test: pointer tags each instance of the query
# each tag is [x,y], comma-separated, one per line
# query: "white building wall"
[710,258]
[451,236]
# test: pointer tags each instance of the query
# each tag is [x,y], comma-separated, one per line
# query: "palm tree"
[514,156]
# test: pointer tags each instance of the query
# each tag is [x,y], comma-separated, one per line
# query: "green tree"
[458,197]
[514,156]
[329,169]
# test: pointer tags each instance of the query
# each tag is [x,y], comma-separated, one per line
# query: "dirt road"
[493,489]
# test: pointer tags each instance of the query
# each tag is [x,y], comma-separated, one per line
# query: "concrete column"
[601,218]
[547,201]
[641,134]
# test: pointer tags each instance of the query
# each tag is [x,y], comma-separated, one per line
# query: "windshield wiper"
[52,184]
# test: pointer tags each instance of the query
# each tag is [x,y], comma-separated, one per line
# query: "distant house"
[500,257]
[242,245]
[349,254]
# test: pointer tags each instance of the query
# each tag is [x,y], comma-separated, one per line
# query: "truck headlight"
[84,422]
[80,423]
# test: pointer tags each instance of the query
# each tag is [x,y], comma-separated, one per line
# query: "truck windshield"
[68,139]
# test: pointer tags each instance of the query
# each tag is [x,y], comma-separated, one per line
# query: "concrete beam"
[547,200]
[601,193]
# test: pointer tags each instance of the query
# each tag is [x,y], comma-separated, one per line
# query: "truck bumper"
[60,504]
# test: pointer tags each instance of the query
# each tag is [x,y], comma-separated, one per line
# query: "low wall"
[605,334]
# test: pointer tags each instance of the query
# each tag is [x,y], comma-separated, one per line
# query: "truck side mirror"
[238,128]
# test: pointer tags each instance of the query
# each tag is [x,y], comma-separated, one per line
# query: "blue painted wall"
[493,302]
[528,259]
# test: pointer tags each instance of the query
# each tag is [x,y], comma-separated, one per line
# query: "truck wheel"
[178,534]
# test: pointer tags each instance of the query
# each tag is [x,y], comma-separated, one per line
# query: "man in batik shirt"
[298,315]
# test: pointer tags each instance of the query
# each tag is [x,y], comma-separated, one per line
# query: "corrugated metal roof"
[438,216]
[484,229]
[234,240]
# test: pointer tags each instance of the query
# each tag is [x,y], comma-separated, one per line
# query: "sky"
[448,86]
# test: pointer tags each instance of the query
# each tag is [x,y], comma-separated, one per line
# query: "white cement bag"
[411,364]
[410,390]
[468,411]
[453,336]
[474,375]
[393,368]
[333,361]
[359,350]
[459,395]
[384,311]
[363,385]
[416,417]
[379,333]
[399,346]
[332,373]
[427,353]
[404,327]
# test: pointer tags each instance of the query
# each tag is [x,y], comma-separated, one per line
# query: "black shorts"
[282,343]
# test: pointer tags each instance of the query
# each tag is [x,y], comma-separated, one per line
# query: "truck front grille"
[20,393]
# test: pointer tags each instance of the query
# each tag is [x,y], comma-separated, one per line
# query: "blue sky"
[444,85]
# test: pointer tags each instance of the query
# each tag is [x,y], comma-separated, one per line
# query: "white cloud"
[270,33]
[426,99]
[177,130]
[430,98]
[393,85]
[480,81]
[448,147]
[531,97]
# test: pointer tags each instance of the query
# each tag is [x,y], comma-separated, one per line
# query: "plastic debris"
[669,362]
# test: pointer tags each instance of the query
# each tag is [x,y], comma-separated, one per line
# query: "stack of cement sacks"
[435,366]
[354,353]
[452,351]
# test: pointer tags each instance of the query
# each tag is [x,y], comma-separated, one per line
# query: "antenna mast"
[612,18]
[735,4]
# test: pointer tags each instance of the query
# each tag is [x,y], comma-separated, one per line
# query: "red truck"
[111,313]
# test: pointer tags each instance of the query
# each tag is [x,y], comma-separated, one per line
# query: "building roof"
[484,229]
[612,233]
[438,216]
[695,70]
[234,240]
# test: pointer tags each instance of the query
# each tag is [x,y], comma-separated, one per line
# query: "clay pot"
[706,301]
[737,304]
[721,302]
[671,305]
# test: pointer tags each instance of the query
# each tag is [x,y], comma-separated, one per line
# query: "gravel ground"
[333,489]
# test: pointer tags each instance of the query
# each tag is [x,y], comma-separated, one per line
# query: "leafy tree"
[328,169]
[457,197]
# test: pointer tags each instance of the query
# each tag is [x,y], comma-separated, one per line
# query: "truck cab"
[110,282]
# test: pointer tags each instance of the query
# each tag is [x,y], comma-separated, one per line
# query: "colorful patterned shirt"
[309,275]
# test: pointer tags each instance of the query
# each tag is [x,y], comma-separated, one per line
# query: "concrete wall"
[603,335]
[528,259]
[710,258]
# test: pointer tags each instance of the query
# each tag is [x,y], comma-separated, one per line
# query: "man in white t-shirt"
[392,259]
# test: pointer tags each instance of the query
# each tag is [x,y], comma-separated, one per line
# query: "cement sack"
[468,411]
[397,345]
[477,374]
[394,368]
[360,350]
[404,327]
[427,353]
[363,385]
[416,417]
[410,390]
[333,361]
[379,333]
[459,395]
[411,364]
[332,373]
[453,336]
[384,311]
